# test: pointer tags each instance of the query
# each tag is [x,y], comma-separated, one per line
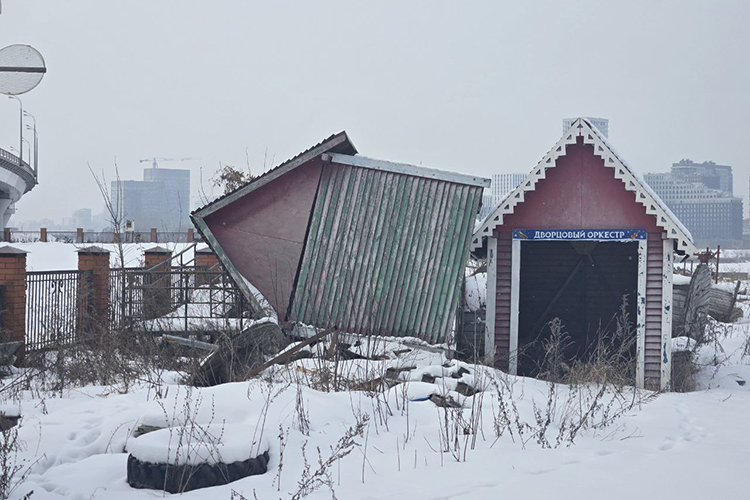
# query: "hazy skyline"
[479,87]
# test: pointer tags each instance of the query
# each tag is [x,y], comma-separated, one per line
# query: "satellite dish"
[21,69]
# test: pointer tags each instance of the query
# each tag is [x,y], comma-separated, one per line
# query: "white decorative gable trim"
[643,193]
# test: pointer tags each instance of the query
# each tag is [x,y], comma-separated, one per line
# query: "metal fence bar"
[55,303]
[183,298]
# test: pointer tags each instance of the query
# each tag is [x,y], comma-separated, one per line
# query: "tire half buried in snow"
[186,458]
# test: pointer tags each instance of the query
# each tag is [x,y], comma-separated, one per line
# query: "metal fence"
[101,237]
[56,302]
[181,299]
[162,299]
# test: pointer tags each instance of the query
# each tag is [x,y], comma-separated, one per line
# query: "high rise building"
[601,123]
[161,200]
[502,184]
[82,218]
[710,212]
[707,173]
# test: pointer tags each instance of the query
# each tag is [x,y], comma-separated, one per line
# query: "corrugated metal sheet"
[385,253]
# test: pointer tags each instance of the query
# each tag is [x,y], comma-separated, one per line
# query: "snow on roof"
[632,180]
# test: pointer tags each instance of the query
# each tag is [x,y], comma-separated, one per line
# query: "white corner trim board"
[640,327]
[489,335]
[515,291]
[666,316]
[643,194]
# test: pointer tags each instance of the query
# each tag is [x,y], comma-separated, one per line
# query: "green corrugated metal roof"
[385,252]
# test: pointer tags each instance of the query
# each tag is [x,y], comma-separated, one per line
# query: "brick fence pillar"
[157,293]
[13,283]
[96,260]
[191,235]
[154,236]
[43,235]
[79,235]
[205,259]
[6,234]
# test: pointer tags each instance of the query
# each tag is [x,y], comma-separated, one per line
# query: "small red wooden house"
[582,231]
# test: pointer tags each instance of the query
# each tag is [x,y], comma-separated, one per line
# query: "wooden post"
[666,318]
[640,372]
[489,334]
[515,290]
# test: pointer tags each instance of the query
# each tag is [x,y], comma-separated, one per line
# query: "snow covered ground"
[682,446]
[677,446]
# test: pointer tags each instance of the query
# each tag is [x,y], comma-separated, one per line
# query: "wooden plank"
[407,253]
[407,308]
[461,256]
[489,336]
[436,222]
[286,355]
[359,258]
[640,316]
[347,293]
[514,307]
[391,250]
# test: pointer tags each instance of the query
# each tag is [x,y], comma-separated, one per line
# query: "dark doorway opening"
[580,282]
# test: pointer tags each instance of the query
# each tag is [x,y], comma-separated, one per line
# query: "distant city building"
[161,200]
[487,206]
[707,173]
[502,184]
[82,218]
[601,123]
[707,209]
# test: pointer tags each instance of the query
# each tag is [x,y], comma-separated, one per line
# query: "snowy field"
[683,446]
[517,437]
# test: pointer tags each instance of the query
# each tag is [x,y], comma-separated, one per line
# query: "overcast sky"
[476,87]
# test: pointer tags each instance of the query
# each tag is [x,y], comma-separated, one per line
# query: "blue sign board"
[579,234]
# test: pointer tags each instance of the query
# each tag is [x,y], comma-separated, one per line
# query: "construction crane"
[156,165]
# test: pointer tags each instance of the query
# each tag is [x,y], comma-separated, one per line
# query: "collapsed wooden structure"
[333,239]
[581,232]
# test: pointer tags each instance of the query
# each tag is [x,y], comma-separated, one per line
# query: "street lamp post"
[36,144]
[20,127]
[24,140]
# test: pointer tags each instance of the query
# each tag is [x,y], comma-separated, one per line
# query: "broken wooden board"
[690,303]
[721,305]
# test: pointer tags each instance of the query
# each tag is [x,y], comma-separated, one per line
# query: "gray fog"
[478,87]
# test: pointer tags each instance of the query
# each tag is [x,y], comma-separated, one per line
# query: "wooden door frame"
[515,288]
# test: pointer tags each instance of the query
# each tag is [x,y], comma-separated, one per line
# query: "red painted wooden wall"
[263,233]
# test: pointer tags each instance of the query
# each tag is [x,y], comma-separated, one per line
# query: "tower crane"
[156,165]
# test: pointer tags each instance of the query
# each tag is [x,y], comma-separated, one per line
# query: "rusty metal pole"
[718,255]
